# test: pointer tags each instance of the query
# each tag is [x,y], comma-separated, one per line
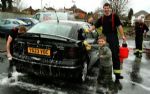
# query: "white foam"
[7,81]
[31,87]
[140,85]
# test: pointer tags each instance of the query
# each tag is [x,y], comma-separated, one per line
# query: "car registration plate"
[39,51]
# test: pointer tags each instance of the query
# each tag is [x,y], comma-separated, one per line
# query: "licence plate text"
[39,51]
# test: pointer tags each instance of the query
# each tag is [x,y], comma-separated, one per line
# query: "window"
[15,22]
[7,22]
[37,16]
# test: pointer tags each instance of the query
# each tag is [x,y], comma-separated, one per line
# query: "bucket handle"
[124,44]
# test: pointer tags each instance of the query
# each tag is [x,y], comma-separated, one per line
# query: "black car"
[55,48]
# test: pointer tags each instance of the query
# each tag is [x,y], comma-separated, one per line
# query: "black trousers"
[114,46]
[138,42]
[113,41]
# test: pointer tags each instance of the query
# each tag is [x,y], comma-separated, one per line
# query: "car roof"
[25,18]
[11,19]
[14,20]
[31,19]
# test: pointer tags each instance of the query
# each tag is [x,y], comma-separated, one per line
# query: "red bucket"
[124,52]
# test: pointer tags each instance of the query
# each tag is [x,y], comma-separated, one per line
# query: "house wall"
[147,20]
[81,15]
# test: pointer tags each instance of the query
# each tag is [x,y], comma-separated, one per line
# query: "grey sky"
[87,5]
[138,5]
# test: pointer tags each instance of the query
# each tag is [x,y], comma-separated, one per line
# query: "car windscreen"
[21,22]
[25,20]
[52,29]
[35,21]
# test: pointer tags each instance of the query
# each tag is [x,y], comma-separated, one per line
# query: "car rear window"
[52,29]
[35,21]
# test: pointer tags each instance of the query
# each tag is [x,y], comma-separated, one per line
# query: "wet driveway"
[135,71]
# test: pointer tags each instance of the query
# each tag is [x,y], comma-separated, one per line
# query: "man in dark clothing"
[110,22]
[140,30]
[9,45]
